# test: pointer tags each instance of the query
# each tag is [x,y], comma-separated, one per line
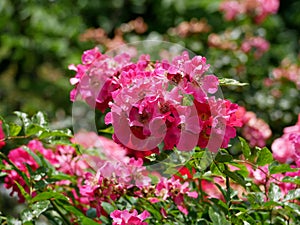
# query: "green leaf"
[245,148]
[49,195]
[217,218]
[23,192]
[108,130]
[292,194]
[13,221]
[87,221]
[39,207]
[107,207]
[24,118]
[40,119]
[33,155]
[91,213]
[34,129]
[217,168]
[26,216]
[295,208]
[235,177]
[14,129]
[70,208]
[59,177]
[35,211]
[264,157]
[275,168]
[256,199]
[288,179]
[223,156]
[242,168]
[274,192]
[230,82]
[55,133]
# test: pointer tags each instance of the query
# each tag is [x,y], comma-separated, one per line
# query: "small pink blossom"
[125,217]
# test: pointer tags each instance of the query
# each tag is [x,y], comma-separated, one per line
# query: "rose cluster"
[154,103]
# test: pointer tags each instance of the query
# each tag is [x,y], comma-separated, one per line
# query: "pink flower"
[172,188]
[219,117]
[258,9]
[265,8]
[98,149]
[20,158]
[258,44]
[156,103]
[95,79]
[289,71]
[211,190]
[232,9]
[37,147]
[131,218]
[286,148]
[2,136]
[69,162]
[254,130]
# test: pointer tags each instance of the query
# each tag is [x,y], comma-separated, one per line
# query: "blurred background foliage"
[40,38]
